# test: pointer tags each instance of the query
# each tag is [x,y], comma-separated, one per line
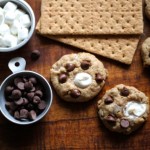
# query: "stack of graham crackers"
[110,28]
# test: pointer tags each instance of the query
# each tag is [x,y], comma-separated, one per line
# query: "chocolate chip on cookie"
[62,78]
[99,78]
[124,123]
[124,91]
[75,93]
[111,119]
[108,100]
[70,67]
[85,64]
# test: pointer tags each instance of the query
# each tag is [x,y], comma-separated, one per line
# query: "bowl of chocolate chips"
[26,97]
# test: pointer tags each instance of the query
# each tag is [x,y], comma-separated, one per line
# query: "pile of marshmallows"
[14,25]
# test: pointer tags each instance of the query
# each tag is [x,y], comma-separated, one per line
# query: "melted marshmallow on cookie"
[134,109]
[82,80]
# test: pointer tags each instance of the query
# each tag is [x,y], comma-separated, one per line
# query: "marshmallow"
[82,80]
[9,6]
[1,17]
[25,20]
[1,41]
[134,109]
[4,29]
[15,27]
[9,17]
[22,33]
[19,13]
[10,40]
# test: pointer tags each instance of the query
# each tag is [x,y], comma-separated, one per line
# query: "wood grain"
[73,126]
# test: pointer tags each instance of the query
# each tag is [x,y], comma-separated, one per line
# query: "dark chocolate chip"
[19,102]
[99,78]
[39,93]
[33,80]
[9,89]
[108,100]
[32,115]
[17,80]
[24,113]
[36,99]
[16,115]
[28,86]
[70,67]
[30,106]
[25,101]
[62,78]
[75,93]
[125,92]
[10,106]
[42,105]
[16,94]
[20,85]
[110,118]
[30,96]
[124,123]
[85,64]
[35,54]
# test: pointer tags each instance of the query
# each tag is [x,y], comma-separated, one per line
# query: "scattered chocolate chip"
[62,78]
[20,85]
[42,105]
[99,78]
[25,101]
[10,106]
[124,123]
[35,54]
[32,115]
[19,102]
[9,89]
[16,115]
[125,92]
[28,86]
[39,93]
[30,106]
[24,114]
[75,93]
[70,67]
[108,100]
[111,119]
[33,80]
[16,94]
[36,99]
[85,64]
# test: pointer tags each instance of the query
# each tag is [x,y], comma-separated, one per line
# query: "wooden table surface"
[73,126]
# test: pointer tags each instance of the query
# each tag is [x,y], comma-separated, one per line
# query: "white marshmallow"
[22,33]
[1,17]
[25,20]
[82,80]
[9,6]
[1,41]
[19,13]
[4,29]
[15,27]
[134,109]
[10,40]
[9,17]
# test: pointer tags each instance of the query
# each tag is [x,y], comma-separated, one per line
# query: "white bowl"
[26,7]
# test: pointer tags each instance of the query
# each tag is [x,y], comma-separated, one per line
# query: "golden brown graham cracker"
[117,47]
[88,17]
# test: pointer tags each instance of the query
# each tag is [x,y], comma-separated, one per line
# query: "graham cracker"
[90,17]
[117,47]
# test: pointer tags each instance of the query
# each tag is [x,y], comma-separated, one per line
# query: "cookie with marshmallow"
[78,77]
[123,109]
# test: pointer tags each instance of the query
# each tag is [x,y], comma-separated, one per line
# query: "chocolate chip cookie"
[78,77]
[146,52]
[147,8]
[123,109]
